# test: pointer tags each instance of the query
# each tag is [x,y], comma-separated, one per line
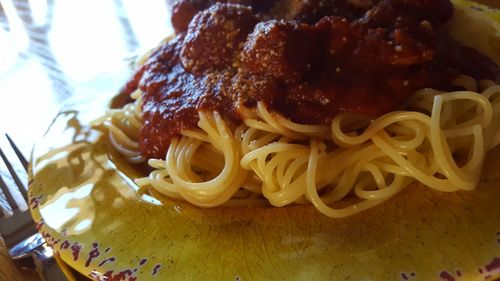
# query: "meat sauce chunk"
[312,11]
[214,35]
[183,11]
[347,67]
[276,48]
[386,12]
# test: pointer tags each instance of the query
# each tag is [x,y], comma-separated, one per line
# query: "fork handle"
[46,266]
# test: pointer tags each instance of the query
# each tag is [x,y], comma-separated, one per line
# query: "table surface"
[51,51]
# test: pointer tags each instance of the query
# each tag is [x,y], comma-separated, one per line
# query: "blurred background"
[51,50]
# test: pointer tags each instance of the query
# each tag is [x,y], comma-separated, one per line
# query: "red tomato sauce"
[307,60]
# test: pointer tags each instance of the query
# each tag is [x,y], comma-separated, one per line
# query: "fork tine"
[6,192]
[19,154]
[14,175]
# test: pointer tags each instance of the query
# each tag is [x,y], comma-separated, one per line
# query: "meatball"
[213,37]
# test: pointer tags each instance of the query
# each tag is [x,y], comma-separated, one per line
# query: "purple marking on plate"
[493,265]
[35,201]
[498,241]
[75,250]
[64,245]
[156,269]
[445,275]
[143,262]
[38,225]
[459,273]
[108,260]
[480,270]
[498,233]
[93,254]
[108,274]
[404,276]
[413,274]
[51,242]
[107,250]
[97,276]
[122,275]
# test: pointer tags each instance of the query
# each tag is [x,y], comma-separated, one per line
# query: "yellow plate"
[93,216]
[91,213]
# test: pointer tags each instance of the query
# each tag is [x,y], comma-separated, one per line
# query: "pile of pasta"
[439,139]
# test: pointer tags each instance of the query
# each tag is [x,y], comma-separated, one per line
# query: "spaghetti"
[343,166]
[440,143]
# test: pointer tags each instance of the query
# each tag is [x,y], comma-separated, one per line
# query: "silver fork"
[16,225]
